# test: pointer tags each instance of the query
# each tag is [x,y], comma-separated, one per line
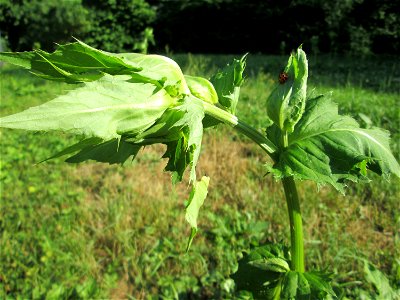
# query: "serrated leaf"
[78,62]
[186,150]
[112,152]
[329,148]
[286,103]
[107,108]
[74,62]
[196,200]
[227,84]
[76,147]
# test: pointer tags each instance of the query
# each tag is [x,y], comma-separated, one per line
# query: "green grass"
[98,231]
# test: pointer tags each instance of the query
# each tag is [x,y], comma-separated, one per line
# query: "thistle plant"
[124,102]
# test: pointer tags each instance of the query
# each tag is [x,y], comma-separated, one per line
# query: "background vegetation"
[98,231]
[206,26]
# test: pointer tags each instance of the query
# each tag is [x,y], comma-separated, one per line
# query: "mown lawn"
[96,231]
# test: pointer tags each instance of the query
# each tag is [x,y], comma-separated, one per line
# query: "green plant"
[128,101]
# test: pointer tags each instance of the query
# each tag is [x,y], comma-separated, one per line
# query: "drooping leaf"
[106,108]
[112,152]
[76,147]
[286,103]
[227,84]
[329,148]
[186,150]
[179,156]
[196,200]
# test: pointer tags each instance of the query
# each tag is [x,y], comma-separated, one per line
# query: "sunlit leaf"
[74,62]
[329,148]
[106,108]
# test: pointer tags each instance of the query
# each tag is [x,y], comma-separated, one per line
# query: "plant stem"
[292,198]
[296,223]
[247,130]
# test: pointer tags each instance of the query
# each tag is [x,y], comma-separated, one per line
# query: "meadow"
[92,231]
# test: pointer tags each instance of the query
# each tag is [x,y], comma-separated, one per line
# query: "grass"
[97,231]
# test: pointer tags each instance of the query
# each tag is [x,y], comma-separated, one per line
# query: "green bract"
[286,103]
[202,89]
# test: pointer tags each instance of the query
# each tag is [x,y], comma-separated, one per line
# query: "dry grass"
[123,206]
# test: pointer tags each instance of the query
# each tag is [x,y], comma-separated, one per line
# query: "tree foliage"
[206,26]
[38,24]
[118,25]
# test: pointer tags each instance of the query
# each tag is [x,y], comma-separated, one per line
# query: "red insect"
[283,77]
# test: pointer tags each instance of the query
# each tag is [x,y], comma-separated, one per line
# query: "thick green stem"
[240,126]
[292,199]
[296,223]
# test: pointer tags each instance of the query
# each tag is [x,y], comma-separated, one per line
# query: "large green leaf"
[329,148]
[107,108]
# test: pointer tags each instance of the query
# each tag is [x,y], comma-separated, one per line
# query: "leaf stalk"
[231,120]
